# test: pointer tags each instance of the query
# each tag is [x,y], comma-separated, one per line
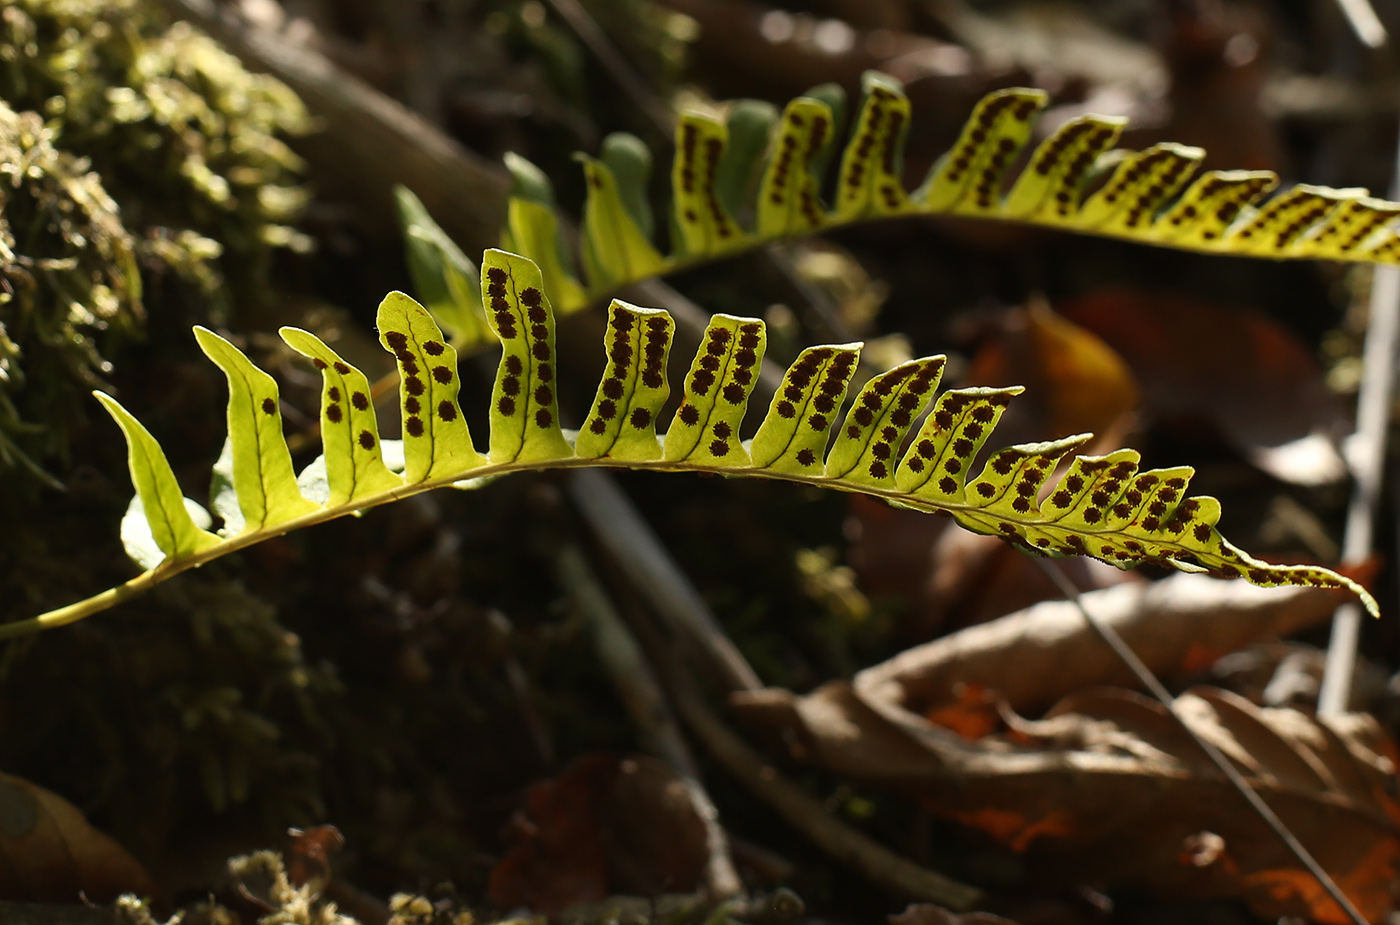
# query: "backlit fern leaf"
[1036,496]
[1151,196]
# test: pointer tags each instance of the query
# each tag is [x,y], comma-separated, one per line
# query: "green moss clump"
[198,714]
[68,272]
[188,148]
[185,138]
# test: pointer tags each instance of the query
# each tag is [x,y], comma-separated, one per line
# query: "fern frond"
[1101,506]
[1148,196]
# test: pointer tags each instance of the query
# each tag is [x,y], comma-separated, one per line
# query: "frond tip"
[1040,497]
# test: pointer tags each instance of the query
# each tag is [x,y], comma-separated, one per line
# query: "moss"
[67,274]
[199,712]
[137,143]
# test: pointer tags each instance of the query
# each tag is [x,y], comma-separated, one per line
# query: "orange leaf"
[1015,830]
[1367,885]
[972,716]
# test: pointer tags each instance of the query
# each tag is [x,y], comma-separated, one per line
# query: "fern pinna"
[758,177]
[1100,506]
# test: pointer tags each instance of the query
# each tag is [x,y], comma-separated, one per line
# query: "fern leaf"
[1050,186]
[787,200]
[1010,481]
[622,422]
[263,479]
[705,225]
[969,177]
[1273,227]
[436,441]
[442,275]
[869,183]
[749,125]
[1138,187]
[524,408]
[616,249]
[882,414]
[349,429]
[534,229]
[1039,497]
[1148,196]
[794,434]
[1349,227]
[705,429]
[1211,204]
[936,465]
[165,509]
[629,159]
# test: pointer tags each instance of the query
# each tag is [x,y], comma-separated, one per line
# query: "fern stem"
[472,478]
[88,606]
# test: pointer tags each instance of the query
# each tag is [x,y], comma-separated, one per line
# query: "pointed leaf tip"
[524,408]
[349,428]
[172,528]
[261,462]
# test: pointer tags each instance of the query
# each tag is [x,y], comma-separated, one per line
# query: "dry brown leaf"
[606,825]
[1036,656]
[975,712]
[1109,788]
[308,856]
[49,852]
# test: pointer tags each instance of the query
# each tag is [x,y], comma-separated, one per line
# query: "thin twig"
[519,683]
[641,555]
[645,562]
[803,812]
[624,662]
[1362,18]
[1366,458]
[1232,774]
[636,684]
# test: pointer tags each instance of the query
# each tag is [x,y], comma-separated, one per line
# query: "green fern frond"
[1075,180]
[1100,506]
